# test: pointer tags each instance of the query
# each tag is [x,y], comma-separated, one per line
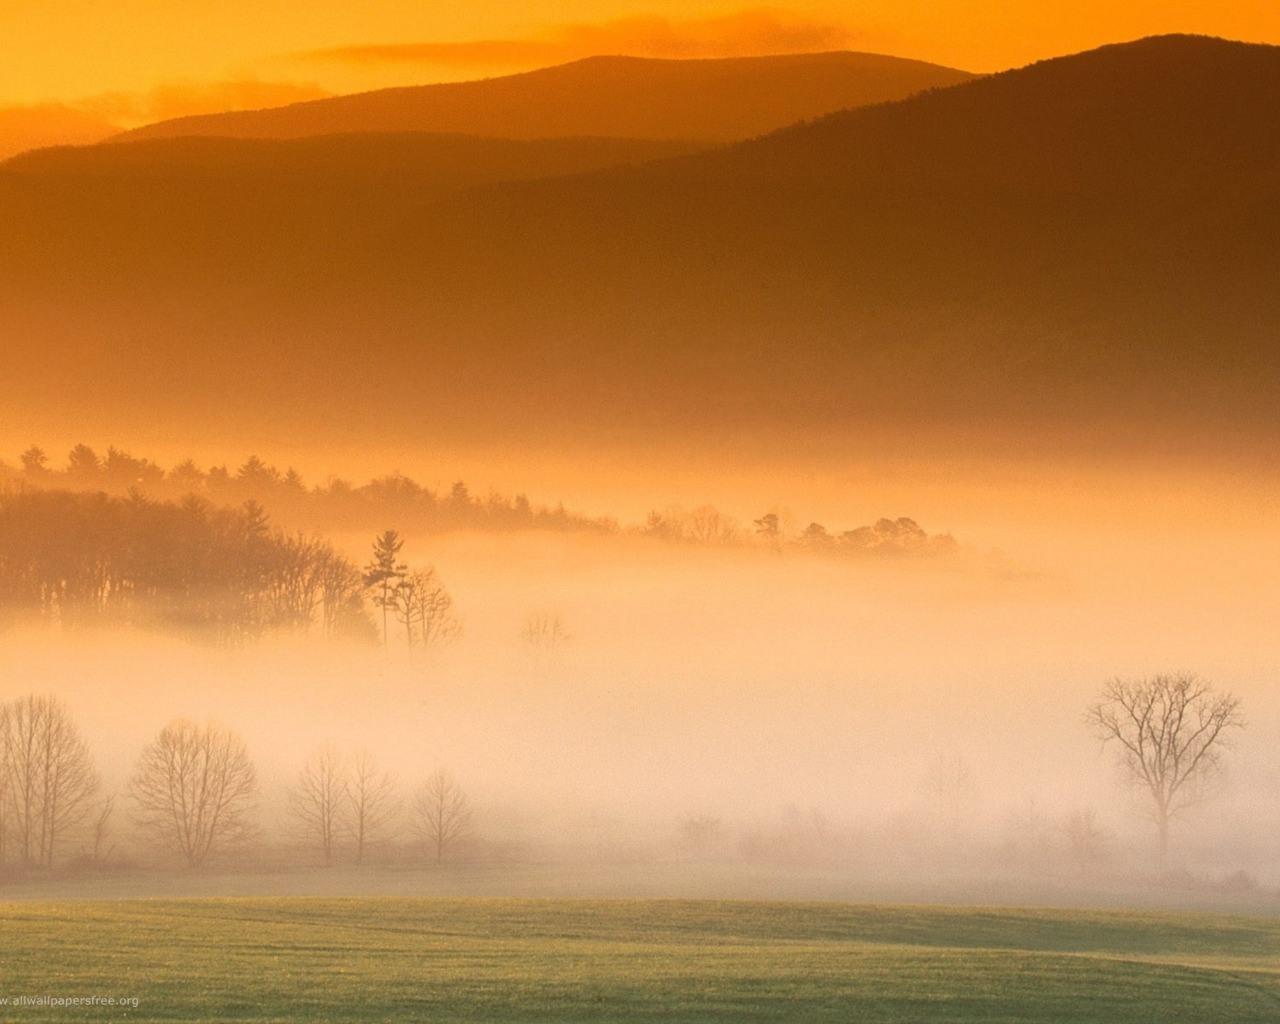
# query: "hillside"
[431,162]
[621,97]
[1087,244]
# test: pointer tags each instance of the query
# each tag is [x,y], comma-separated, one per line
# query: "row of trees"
[414,598]
[193,789]
[82,559]
[223,575]
[79,558]
[193,792]
[337,504]
[340,504]
[339,801]
[885,538]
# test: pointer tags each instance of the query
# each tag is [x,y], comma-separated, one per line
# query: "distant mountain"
[617,97]
[50,124]
[1089,245]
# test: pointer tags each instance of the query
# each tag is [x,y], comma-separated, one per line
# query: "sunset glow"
[109,57]
[591,511]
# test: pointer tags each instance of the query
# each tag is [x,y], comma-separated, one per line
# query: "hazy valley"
[1031,313]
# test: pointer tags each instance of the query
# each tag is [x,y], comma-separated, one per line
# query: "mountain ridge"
[946,259]
[713,100]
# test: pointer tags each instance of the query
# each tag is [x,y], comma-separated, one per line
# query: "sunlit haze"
[814,452]
[87,53]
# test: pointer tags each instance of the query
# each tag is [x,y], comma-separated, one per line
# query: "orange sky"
[134,60]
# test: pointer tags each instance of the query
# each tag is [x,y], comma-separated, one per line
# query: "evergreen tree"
[384,576]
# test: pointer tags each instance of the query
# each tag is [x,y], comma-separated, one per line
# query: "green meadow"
[584,960]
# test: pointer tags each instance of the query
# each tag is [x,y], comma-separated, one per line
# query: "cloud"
[181,99]
[745,33]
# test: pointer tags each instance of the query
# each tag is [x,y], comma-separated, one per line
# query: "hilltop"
[712,100]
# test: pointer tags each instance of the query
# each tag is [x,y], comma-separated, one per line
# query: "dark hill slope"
[1089,242]
[621,97]
[1087,235]
[366,159]
[208,213]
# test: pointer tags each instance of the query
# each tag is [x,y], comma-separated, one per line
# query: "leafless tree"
[443,815]
[47,779]
[1087,840]
[425,609]
[372,803]
[708,525]
[320,802]
[545,636]
[341,597]
[98,850]
[294,587]
[1172,731]
[194,787]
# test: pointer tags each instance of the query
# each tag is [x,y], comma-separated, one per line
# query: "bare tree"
[372,803]
[47,779]
[425,609]
[320,802]
[1086,839]
[545,636]
[1171,731]
[708,525]
[342,598]
[442,811]
[98,851]
[194,787]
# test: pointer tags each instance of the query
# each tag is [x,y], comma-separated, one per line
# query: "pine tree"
[384,575]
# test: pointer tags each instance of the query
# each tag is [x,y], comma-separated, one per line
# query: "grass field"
[672,961]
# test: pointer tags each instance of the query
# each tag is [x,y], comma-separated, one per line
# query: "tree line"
[337,504]
[88,558]
[340,504]
[892,538]
[193,791]
[223,575]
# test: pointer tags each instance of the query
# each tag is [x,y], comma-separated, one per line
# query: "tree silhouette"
[443,813]
[425,609]
[222,574]
[83,465]
[1171,731]
[35,463]
[47,779]
[769,530]
[545,636]
[384,576]
[194,787]
[320,801]
[372,803]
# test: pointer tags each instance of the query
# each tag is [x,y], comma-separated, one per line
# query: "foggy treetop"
[84,558]
[340,505]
